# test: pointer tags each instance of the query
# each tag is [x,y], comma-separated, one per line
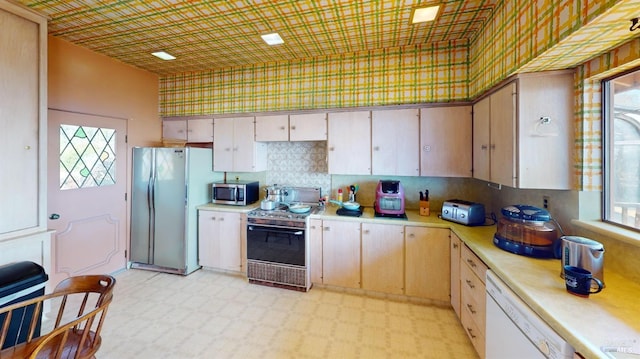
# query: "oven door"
[276,244]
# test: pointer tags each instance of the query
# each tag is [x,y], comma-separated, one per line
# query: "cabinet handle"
[455,245]
[470,284]
[411,235]
[213,218]
[282,128]
[470,331]
[327,228]
[471,309]
[331,148]
[222,218]
[293,127]
[376,148]
[493,146]
[471,263]
[484,147]
[366,231]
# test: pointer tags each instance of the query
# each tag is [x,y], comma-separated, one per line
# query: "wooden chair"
[81,304]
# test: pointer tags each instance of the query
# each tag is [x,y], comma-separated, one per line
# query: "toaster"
[463,212]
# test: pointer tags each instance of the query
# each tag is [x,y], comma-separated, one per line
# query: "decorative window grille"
[87,156]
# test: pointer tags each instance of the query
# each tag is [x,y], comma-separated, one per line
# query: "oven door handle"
[276,230]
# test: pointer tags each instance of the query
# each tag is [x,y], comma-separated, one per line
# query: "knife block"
[424,208]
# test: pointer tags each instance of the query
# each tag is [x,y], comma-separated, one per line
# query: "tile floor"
[216,315]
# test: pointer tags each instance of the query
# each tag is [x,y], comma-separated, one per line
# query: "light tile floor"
[216,315]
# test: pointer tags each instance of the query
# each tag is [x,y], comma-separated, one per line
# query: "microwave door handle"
[235,193]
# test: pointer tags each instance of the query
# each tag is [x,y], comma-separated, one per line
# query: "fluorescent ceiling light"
[272,39]
[425,14]
[163,55]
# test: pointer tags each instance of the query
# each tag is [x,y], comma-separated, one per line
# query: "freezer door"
[142,206]
[170,200]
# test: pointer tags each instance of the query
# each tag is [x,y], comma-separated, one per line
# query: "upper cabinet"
[235,148]
[23,104]
[300,127]
[446,141]
[191,130]
[395,142]
[349,143]
[523,133]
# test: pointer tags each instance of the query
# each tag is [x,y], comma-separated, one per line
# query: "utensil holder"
[424,208]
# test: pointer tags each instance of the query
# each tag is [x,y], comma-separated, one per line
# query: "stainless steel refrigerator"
[167,185]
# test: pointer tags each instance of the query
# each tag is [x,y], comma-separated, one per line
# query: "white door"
[87,171]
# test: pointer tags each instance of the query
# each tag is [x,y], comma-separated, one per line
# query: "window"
[87,156]
[621,139]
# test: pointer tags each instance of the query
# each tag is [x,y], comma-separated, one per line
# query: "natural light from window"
[622,150]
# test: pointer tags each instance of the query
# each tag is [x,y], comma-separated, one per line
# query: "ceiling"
[206,35]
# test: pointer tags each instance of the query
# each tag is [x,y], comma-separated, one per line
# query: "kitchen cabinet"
[220,238]
[190,130]
[446,141]
[455,272]
[473,298]
[523,132]
[427,268]
[341,253]
[349,143]
[315,250]
[395,142]
[308,127]
[235,148]
[383,258]
[23,104]
[295,127]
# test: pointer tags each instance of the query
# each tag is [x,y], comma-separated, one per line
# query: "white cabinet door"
[308,127]
[395,142]
[272,128]
[383,258]
[341,253]
[23,66]
[455,272]
[223,144]
[235,148]
[174,129]
[427,267]
[349,143]
[219,240]
[481,140]
[502,126]
[200,130]
[446,141]
[315,250]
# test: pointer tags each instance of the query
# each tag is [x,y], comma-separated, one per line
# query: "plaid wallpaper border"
[410,74]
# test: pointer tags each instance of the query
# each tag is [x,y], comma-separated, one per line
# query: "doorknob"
[54,216]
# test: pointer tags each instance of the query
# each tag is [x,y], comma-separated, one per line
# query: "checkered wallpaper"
[399,75]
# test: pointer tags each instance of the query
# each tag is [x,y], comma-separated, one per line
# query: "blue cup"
[581,282]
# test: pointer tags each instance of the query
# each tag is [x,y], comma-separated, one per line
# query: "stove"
[277,242]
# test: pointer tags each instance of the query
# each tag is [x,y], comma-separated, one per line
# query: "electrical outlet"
[545,202]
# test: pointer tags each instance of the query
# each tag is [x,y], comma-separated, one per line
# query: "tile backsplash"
[301,164]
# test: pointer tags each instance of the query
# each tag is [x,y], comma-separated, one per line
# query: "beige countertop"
[610,318]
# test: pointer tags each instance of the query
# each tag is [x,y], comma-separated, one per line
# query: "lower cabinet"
[473,298]
[455,272]
[383,258]
[220,240]
[341,253]
[427,263]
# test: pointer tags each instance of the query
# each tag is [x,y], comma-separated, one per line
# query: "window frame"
[608,133]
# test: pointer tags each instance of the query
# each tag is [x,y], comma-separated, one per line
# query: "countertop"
[610,318]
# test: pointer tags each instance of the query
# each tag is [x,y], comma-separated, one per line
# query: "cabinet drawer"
[473,296]
[474,263]
[473,332]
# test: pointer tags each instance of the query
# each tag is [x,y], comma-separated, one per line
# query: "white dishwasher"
[515,331]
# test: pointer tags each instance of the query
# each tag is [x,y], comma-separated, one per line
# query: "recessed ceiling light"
[425,14]
[272,39]
[163,55]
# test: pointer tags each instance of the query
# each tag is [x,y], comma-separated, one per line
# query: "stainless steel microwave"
[236,193]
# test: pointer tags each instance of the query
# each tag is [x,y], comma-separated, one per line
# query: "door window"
[87,156]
